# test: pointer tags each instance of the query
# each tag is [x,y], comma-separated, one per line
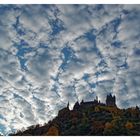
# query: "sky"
[54,54]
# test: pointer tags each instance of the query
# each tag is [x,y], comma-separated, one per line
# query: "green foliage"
[93,120]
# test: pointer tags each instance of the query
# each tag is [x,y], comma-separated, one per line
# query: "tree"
[84,119]
[108,125]
[97,127]
[129,125]
[53,131]
[97,109]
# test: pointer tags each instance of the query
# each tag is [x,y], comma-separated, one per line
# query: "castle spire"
[96,98]
[82,101]
[76,106]
[68,105]
[111,100]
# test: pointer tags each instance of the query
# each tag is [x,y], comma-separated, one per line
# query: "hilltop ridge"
[90,119]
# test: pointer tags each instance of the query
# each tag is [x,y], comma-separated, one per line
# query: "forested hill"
[89,119]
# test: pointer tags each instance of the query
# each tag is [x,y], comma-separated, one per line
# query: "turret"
[111,100]
[96,98]
[63,111]
[68,105]
[82,102]
[76,106]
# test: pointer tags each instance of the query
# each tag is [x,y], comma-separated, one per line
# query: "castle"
[110,101]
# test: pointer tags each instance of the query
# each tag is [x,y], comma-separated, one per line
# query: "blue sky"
[54,54]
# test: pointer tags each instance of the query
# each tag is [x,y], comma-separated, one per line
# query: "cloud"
[54,54]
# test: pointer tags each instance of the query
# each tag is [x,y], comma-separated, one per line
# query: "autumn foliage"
[129,125]
[108,125]
[87,120]
[53,131]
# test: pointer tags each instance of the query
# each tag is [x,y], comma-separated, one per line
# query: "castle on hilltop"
[110,101]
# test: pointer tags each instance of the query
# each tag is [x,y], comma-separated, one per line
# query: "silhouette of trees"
[53,131]
[108,125]
[129,125]
[88,119]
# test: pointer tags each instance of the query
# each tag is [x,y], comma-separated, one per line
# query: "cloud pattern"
[52,54]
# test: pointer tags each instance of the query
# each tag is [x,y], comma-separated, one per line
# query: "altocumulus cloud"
[52,54]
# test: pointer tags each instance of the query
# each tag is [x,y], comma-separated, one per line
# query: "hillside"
[90,119]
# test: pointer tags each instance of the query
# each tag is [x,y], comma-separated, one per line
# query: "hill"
[90,119]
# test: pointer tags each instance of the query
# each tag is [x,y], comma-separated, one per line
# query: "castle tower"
[110,100]
[76,106]
[68,105]
[82,102]
[96,98]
